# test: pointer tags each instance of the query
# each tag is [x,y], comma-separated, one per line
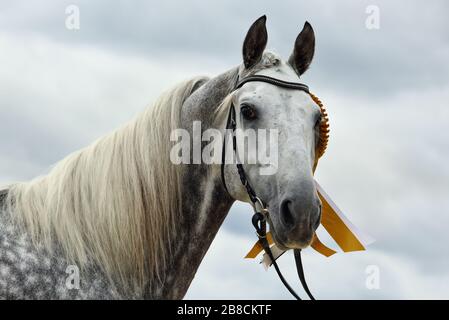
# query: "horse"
[119,220]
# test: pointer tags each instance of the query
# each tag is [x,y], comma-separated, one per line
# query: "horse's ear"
[304,49]
[255,42]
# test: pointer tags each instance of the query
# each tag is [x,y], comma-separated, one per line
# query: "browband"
[274,81]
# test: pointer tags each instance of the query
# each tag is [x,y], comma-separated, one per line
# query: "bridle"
[261,213]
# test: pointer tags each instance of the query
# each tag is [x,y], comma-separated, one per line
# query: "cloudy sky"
[386,90]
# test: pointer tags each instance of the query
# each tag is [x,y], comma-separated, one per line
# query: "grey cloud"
[409,51]
[386,92]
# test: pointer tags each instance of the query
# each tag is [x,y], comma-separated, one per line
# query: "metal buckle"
[258,206]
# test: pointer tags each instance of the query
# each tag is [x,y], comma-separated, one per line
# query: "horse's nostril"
[287,217]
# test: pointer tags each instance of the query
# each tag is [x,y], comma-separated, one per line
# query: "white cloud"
[386,93]
[57,98]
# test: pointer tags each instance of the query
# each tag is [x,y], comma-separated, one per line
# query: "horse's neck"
[205,201]
[204,212]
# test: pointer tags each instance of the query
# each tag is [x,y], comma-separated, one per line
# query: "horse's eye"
[248,112]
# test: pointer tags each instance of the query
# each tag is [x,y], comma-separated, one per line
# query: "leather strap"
[259,220]
[273,81]
[300,270]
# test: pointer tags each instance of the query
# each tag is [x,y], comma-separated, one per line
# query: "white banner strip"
[362,236]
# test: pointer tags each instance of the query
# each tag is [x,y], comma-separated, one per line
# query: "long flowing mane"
[115,202]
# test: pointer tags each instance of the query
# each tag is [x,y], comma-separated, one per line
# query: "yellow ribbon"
[337,229]
[316,244]
[257,247]
[321,248]
[345,238]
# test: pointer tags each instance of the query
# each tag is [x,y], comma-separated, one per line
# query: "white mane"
[115,202]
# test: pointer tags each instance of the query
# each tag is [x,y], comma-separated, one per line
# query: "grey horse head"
[289,192]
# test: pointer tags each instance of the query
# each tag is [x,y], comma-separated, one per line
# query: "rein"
[261,213]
